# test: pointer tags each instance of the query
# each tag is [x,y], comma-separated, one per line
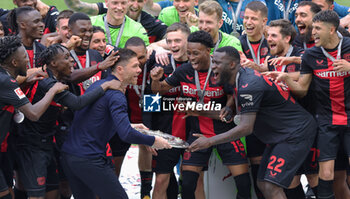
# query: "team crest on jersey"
[19,93]
[347,56]
[291,68]
[151,103]
[264,51]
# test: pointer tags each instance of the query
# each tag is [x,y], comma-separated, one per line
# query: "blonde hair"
[210,7]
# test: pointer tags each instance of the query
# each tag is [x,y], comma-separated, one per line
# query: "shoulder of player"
[250,79]
[229,40]
[133,25]
[39,46]
[297,51]
[97,20]
[47,83]
[346,43]
[168,10]
[5,79]
[94,53]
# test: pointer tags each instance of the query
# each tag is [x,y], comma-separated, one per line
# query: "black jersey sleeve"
[102,8]
[175,79]
[66,98]
[153,26]
[305,67]
[51,18]
[250,94]
[11,93]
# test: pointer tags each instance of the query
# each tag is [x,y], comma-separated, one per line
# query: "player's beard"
[306,37]
[225,76]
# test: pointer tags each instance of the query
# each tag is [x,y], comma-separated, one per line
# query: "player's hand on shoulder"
[59,87]
[112,85]
[201,143]
[157,73]
[161,56]
[161,143]
[36,76]
[277,76]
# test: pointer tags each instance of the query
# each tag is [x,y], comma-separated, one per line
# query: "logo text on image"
[151,103]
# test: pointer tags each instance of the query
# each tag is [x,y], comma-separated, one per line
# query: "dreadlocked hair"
[15,14]
[46,56]
[8,45]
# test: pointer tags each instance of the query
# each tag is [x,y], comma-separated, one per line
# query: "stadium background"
[61,5]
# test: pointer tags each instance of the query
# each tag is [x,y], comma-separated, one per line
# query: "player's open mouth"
[272,46]
[175,51]
[249,29]
[302,28]
[183,11]
[85,42]
[133,9]
[216,75]
[317,39]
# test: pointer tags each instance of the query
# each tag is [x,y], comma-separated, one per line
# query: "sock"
[189,184]
[295,193]
[173,188]
[146,183]
[325,189]
[314,189]
[19,194]
[8,196]
[64,197]
[255,168]
[243,185]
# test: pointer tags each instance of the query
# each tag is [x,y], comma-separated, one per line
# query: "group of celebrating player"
[73,87]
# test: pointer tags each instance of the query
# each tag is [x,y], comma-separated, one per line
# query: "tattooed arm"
[79,6]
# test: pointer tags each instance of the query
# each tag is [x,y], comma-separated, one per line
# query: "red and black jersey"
[155,28]
[11,97]
[298,42]
[133,98]
[95,58]
[184,76]
[277,113]
[264,49]
[170,122]
[332,89]
[30,50]
[292,67]
[49,21]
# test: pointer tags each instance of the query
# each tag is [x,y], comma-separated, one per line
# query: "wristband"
[98,67]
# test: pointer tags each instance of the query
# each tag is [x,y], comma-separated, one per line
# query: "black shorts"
[310,164]
[255,147]
[330,138]
[36,169]
[232,153]
[166,160]
[7,168]
[281,161]
[118,147]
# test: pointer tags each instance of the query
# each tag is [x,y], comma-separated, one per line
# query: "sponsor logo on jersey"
[19,93]
[247,97]
[330,74]
[319,62]
[208,93]
[189,78]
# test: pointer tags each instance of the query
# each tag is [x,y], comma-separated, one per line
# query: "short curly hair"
[8,46]
[201,37]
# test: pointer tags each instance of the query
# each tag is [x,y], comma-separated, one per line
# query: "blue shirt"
[227,7]
[95,125]
[276,9]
